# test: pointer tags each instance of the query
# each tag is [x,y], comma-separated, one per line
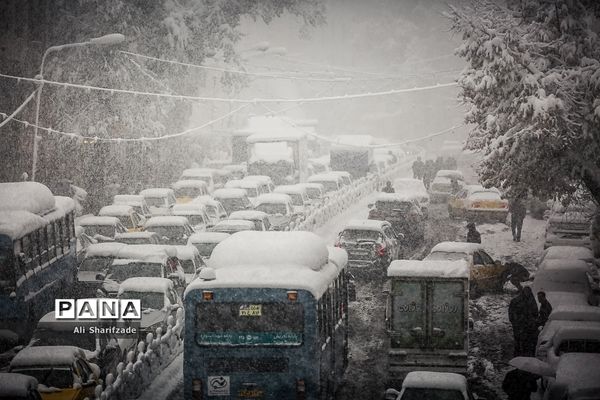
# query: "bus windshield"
[243,324]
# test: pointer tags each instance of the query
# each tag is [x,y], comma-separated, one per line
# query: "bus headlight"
[197,389]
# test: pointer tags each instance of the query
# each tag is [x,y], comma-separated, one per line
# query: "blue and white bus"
[37,254]
[267,319]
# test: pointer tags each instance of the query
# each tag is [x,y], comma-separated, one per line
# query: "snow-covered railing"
[143,366]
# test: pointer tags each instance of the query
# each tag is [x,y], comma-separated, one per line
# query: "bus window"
[27,250]
[65,235]
[43,245]
[71,225]
[58,237]
[51,240]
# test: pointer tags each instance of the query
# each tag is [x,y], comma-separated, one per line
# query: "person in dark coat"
[545,309]
[418,168]
[523,316]
[517,210]
[388,188]
[518,385]
[428,173]
[473,235]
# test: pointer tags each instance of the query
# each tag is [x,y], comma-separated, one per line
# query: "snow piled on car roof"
[156,192]
[46,356]
[428,269]
[435,380]
[166,221]
[568,252]
[145,284]
[121,210]
[248,214]
[456,247]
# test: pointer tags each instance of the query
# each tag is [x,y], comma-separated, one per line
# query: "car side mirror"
[391,394]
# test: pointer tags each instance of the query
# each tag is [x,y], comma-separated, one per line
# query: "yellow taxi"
[133,221]
[62,372]
[475,202]
[485,273]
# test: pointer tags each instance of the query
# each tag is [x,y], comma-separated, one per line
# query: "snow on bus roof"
[166,220]
[145,284]
[26,196]
[16,224]
[18,386]
[429,269]
[207,237]
[435,380]
[248,214]
[156,192]
[366,224]
[571,312]
[187,183]
[111,249]
[229,193]
[456,247]
[97,220]
[273,198]
[46,356]
[116,210]
[271,249]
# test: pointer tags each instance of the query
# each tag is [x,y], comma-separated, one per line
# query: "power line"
[18,110]
[234,100]
[142,139]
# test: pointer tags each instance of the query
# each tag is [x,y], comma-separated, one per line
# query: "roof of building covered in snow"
[16,224]
[46,356]
[26,196]
[109,249]
[229,193]
[251,215]
[189,183]
[574,372]
[187,252]
[207,237]
[428,269]
[17,386]
[271,128]
[167,220]
[131,199]
[157,192]
[435,380]
[366,225]
[145,284]
[116,210]
[575,313]
[567,252]
[97,220]
[456,247]
[273,198]
[286,273]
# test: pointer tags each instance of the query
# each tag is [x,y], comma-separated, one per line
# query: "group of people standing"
[527,320]
[426,170]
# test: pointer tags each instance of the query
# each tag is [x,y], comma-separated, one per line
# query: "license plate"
[251,393]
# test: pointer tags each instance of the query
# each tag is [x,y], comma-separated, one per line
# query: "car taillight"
[300,389]
[381,250]
[197,389]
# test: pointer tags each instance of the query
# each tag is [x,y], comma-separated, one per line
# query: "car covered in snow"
[103,229]
[298,194]
[233,199]
[570,228]
[266,183]
[403,212]
[486,274]
[196,215]
[441,188]
[315,192]
[159,200]
[207,175]
[279,208]
[187,190]
[564,286]
[571,253]
[238,171]
[331,182]
[571,264]
[171,229]
[426,316]
[476,203]
[253,188]
[159,299]
[260,219]
[133,221]
[205,242]
[413,188]
[214,209]
[144,237]
[134,200]
[190,260]
[62,372]
[232,226]
[425,385]
[371,245]
[345,175]
[96,260]
[18,387]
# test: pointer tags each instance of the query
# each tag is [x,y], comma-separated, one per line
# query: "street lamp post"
[111,39]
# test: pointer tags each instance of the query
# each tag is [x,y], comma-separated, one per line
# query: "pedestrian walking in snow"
[517,210]
[518,385]
[545,309]
[418,168]
[428,173]
[473,235]
[388,188]
[523,316]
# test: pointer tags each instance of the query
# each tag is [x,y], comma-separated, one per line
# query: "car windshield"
[447,256]
[102,230]
[155,201]
[272,208]
[149,300]
[188,266]
[7,267]
[388,206]
[234,204]
[133,270]
[205,249]
[296,199]
[63,337]
[58,377]
[431,394]
[356,235]
[95,264]
[330,186]
[188,192]
[174,231]
[313,193]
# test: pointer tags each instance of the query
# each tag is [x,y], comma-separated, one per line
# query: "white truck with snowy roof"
[426,317]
